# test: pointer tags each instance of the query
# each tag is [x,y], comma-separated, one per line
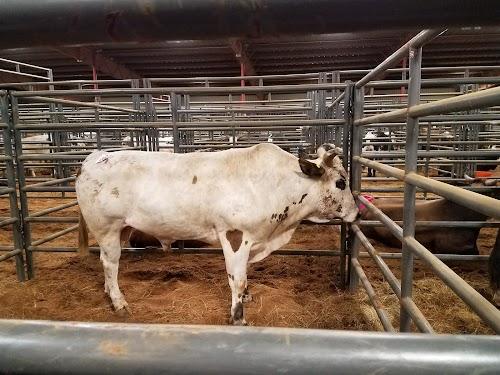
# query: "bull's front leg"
[236,251]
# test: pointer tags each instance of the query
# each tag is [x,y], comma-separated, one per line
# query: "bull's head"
[335,197]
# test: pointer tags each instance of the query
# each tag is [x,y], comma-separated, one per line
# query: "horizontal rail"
[130,348]
[432,154]
[23,74]
[465,102]
[10,254]
[81,104]
[24,64]
[52,219]
[486,205]
[51,189]
[185,90]
[51,182]
[218,251]
[9,221]
[434,82]
[438,224]
[6,190]
[382,168]
[52,209]
[53,236]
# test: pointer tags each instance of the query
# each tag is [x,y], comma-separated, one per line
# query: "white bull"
[249,200]
[36,144]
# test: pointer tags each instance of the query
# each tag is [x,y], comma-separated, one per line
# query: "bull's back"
[160,186]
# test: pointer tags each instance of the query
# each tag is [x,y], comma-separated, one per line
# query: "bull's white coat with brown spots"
[248,200]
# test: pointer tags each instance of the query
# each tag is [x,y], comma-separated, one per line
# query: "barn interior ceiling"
[276,55]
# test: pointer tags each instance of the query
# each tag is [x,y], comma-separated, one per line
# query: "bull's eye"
[340,184]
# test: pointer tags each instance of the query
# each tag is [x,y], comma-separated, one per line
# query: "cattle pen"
[437,127]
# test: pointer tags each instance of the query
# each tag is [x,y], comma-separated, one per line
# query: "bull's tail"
[83,236]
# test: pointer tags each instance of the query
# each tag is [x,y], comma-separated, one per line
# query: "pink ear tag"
[369,198]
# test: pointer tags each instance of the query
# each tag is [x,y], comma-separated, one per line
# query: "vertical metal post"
[242,72]
[175,119]
[356,169]
[11,183]
[427,148]
[23,196]
[321,110]
[403,77]
[345,162]
[412,132]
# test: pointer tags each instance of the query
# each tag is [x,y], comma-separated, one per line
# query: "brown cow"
[436,239]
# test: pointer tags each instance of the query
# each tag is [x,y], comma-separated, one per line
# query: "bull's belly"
[173,229]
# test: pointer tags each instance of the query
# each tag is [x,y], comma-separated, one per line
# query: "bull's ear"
[311,169]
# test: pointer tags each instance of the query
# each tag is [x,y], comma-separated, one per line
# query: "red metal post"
[242,73]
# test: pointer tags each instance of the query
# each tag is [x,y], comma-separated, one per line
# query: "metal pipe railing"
[151,348]
[396,57]
[382,314]
[480,305]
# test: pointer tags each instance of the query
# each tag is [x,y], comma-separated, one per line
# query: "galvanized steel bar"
[76,103]
[10,174]
[10,254]
[53,209]
[394,228]
[474,100]
[385,169]
[52,182]
[396,57]
[381,313]
[437,224]
[348,95]
[53,236]
[388,275]
[184,90]
[480,305]
[355,175]
[409,212]
[151,349]
[477,202]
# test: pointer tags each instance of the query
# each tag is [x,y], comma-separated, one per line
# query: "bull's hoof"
[124,312]
[240,322]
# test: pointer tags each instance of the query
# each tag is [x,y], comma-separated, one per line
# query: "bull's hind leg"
[110,257]
[236,251]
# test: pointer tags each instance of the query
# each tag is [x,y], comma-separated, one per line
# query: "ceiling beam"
[101,62]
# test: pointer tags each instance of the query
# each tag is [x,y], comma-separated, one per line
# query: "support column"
[412,132]
[355,173]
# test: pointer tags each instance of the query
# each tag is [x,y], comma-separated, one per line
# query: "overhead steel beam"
[64,22]
[101,62]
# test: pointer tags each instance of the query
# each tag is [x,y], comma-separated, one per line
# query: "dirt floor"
[288,291]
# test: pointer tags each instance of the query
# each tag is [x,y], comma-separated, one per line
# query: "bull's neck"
[306,203]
